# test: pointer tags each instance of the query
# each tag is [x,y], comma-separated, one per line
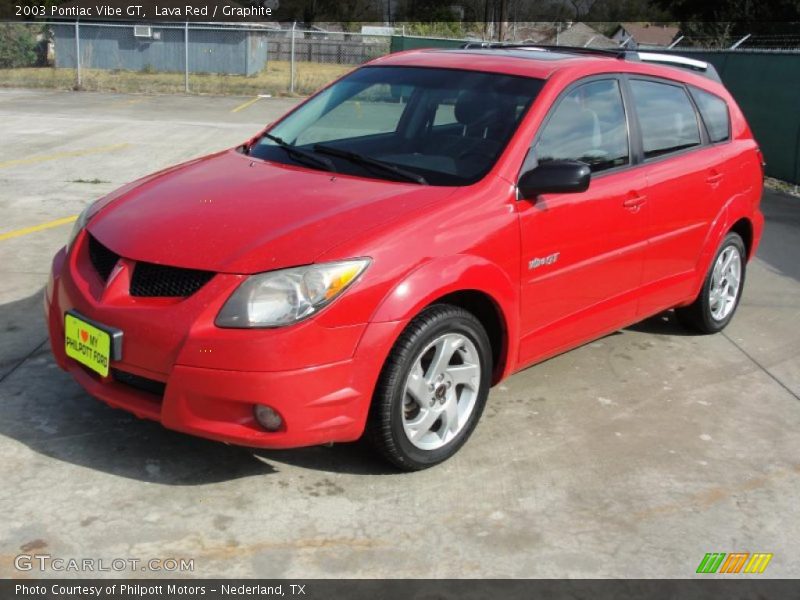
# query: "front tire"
[715,306]
[432,389]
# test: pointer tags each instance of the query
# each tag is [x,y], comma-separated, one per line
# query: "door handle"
[634,204]
[714,178]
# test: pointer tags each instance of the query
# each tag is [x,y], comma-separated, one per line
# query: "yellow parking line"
[246,104]
[34,228]
[68,154]
[127,102]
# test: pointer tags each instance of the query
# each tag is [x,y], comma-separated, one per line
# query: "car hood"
[231,213]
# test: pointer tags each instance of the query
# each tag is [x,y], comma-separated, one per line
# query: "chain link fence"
[754,42]
[219,58]
[180,57]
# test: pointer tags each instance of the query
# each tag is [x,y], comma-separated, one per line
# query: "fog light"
[267,417]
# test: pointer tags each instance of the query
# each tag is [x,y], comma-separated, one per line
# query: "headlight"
[284,297]
[78,226]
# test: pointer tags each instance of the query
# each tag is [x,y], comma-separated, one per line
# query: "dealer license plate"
[87,343]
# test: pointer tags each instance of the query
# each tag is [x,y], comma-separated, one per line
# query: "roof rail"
[621,53]
[671,60]
[682,62]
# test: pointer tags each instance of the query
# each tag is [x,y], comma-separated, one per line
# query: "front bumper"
[320,380]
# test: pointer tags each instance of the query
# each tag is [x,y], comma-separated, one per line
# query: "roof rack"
[547,47]
[671,60]
[682,62]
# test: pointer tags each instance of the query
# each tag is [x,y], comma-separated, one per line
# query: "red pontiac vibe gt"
[373,262]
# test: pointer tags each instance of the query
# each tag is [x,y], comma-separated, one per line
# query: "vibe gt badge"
[550,259]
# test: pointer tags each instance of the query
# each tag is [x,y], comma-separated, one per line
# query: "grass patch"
[274,80]
[792,189]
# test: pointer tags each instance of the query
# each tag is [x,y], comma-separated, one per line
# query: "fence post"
[676,42]
[740,42]
[77,55]
[291,62]
[186,56]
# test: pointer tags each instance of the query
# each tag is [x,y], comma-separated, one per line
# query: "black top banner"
[781,14]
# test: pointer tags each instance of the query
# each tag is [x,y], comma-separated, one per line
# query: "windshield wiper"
[302,155]
[372,162]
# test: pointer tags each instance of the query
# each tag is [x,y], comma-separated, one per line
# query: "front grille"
[151,386]
[157,280]
[102,258]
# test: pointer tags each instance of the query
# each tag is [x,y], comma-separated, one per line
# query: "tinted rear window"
[666,116]
[714,111]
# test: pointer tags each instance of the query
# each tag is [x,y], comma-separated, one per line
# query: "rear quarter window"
[714,111]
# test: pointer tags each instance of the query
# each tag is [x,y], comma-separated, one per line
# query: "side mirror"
[555,177]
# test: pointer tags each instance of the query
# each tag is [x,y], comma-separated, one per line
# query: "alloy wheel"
[725,279]
[441,390]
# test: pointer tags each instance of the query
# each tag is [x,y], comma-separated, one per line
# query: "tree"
[314,11]
[425,11]
[18,47]
[615,11]
[719,18]
[581,8]
[445,29]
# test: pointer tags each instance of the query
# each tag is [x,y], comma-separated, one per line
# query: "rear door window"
[714,111]
[666,116]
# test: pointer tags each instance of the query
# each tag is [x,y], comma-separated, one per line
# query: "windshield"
[423,125]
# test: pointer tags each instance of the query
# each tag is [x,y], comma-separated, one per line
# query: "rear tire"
[722,289]
[432,389]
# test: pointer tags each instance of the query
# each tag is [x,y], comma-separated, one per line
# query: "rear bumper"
[319,403]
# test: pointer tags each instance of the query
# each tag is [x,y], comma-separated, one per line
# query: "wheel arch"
[735,215]
[744,227]
[473,283]
[485,309]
